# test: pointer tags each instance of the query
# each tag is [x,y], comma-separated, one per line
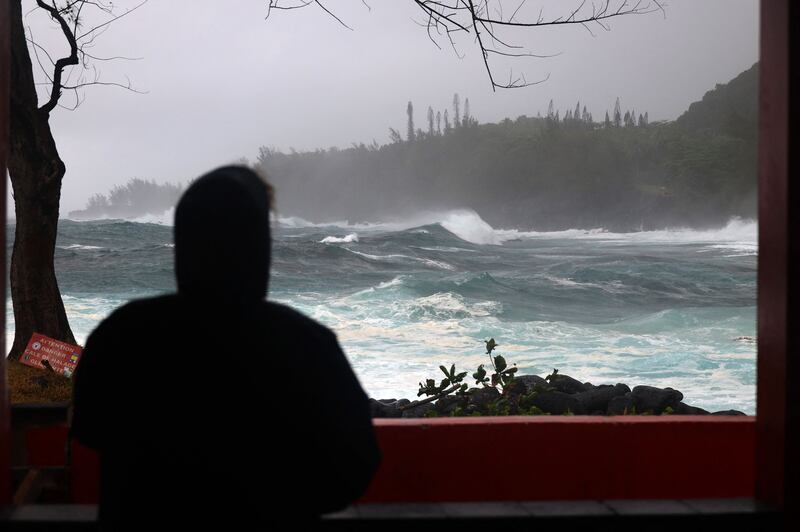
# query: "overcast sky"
[220,80]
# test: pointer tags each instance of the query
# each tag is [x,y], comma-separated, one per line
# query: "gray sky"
[222,81]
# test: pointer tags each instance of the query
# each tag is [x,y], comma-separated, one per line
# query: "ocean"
[665,308]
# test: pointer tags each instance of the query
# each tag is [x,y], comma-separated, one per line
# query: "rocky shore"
[556,394]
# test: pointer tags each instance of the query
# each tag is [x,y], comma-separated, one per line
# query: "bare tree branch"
[69,15]
[71,59]
[484,19]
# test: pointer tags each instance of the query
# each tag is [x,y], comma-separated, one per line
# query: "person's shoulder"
[145,305]
[137,310]
[291,320]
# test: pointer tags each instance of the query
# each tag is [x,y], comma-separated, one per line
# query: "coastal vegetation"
[557,171]
[135,198]
[504,393]
[623,172]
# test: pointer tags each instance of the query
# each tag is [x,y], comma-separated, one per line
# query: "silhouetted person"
[213,405]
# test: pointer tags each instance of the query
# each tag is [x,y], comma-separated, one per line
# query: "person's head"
[222,236]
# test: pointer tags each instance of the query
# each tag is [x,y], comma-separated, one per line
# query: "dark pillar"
[777,443]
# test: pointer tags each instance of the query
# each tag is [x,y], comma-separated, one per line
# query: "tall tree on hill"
[617,114]
[394,136]
[411,132]
[607,121]
[456,111]
[35,166]
[438,122]
[447,126]
[430,121]
[577,114]
[465,120]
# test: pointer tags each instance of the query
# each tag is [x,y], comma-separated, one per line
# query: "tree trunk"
[36,171]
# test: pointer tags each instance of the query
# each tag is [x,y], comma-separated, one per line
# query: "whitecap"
[80,247]
[429,262]
[165,218]
[352,237]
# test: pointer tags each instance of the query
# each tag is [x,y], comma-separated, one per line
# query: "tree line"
[137,197]
[438,123]
[544,172]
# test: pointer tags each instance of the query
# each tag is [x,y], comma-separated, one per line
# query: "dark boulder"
[566,384]
[419,411]
[448,404]
[621,405]
[682,409]
[379,409]
[523,385]
[558,403]
[728,413]
[649,399]
[530,382]
[597,398]
[481,398]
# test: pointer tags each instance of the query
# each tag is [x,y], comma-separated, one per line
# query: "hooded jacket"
[214,405]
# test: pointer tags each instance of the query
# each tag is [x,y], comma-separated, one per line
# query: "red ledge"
[564,458]
[525,458]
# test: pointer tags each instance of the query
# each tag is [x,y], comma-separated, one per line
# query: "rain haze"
[221,82]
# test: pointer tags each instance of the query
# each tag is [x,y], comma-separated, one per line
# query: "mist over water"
[666,308]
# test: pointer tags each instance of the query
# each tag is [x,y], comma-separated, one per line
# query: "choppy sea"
[666,308]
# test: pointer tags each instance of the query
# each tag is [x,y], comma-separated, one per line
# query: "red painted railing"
[521,458]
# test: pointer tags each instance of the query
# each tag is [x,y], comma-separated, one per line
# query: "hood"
[222,236]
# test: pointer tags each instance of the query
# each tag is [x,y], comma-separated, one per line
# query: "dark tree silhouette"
[410,112]
[617,114]
[456,111]
[430,121]
[35,167]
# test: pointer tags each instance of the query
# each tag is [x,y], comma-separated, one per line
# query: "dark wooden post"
[777,452]
[5,478]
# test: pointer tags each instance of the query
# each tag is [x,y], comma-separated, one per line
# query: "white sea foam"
[738,235]
[445,249]
[398,256]
[165,218]
[612,287]
[79,246]
[397,281]
[352,237]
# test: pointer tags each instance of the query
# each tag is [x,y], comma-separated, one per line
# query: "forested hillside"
[562,170]
[135,198]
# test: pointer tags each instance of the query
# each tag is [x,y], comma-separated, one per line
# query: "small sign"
[60,356]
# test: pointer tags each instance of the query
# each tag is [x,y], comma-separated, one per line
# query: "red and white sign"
[61,356]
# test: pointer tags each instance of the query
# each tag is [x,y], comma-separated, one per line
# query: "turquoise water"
[666,308]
